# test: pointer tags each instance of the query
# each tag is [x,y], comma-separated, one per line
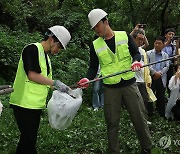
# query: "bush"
[11,45]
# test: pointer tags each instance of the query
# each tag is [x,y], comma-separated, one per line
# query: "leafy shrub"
[11,45]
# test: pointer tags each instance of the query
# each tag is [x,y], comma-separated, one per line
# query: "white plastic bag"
[1,107]
[62,108]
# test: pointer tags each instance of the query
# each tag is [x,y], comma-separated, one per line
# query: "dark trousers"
[176,110]
[133,102]
[150,109]
[159,91]
[144,94]
[28,123]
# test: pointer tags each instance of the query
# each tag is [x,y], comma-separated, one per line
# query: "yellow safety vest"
[110,62]
[29,94]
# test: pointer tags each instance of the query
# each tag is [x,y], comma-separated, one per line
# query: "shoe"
[146,151]
[149,123]
[101,107]
[95,109]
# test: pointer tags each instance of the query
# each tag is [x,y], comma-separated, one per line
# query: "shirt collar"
[158,53]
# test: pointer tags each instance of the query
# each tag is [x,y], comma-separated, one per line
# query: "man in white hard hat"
[31,85]
[116,51]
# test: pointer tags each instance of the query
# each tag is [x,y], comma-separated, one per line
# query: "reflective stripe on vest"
[114,62]
[29,94]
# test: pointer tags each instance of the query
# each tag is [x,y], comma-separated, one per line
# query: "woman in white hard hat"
[31,85]
[116,51]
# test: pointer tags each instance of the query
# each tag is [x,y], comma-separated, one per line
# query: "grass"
[87,134]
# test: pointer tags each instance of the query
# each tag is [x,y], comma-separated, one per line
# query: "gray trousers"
[133,102]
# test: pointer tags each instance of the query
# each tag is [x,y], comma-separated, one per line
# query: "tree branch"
[163,16]
[132,13]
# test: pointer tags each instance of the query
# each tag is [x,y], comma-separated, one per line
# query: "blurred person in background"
[159,73]
[143,78]
[140,27]
[170,49]
[173,105]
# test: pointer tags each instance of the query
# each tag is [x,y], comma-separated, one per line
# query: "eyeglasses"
[59,45]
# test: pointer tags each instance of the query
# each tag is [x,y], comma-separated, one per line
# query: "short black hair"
[49,33]
[160,38]
[176,67]
[169,30]
[139,31]
[104,19]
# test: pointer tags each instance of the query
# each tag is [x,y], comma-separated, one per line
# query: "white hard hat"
[62,34]
[95,16]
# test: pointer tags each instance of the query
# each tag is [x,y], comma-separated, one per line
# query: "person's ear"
[51,39]
[106,22]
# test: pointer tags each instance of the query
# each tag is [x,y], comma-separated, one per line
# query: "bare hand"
[157,75]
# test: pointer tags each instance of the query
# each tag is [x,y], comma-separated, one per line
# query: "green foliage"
[2,81]
[37,15]
[13,13]
[25,15]
[74,70]
[156,14]
[23,22]
[87,133]
[71,70]
[11,45]
[36,19]
[77,68]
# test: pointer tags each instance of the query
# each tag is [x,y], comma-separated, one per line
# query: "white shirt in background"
[140,74]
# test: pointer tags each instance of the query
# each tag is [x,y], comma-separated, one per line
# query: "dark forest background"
[25,21]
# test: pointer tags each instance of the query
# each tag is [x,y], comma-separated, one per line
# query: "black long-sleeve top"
[94,62]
